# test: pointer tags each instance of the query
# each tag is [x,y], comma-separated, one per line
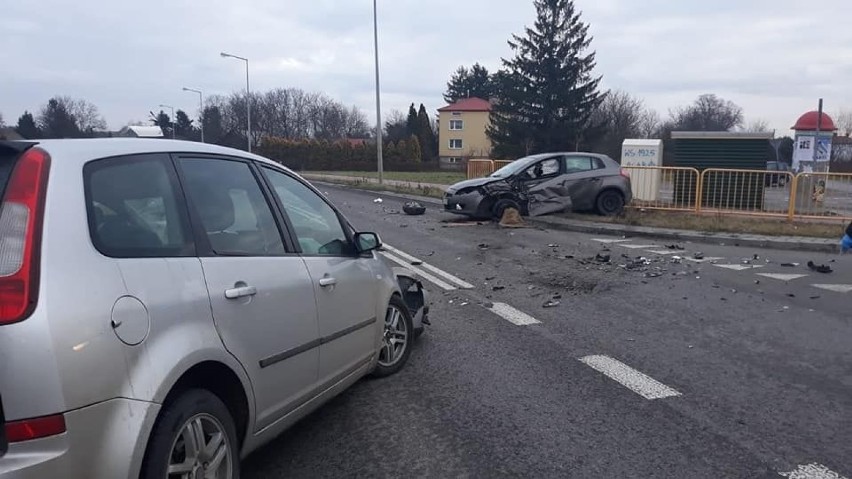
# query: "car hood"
[476,182]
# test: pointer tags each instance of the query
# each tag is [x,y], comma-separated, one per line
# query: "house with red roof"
[462,132]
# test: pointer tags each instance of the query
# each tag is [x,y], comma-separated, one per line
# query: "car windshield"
[513,167]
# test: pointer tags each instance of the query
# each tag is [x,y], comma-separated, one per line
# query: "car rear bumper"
[105,440]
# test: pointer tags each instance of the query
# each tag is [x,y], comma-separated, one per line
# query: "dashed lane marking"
[664,252]
[638,246]
[512,315]
[638,382]
[739,267]
[424,265]
[428,277]
[812,471]
[837,288]
[611,241]
[783,277]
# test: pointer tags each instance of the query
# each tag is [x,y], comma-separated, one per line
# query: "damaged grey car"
[545,184]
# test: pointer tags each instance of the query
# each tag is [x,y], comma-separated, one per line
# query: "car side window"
[578,164]
[231,207]
[543,169]
[134,210]
[315,223]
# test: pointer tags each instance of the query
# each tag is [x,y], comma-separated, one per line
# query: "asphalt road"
[749,376]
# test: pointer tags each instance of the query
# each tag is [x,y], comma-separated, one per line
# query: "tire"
[502,205]
[194,410]
[610,203]
[397,326]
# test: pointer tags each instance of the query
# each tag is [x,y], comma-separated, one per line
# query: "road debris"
[653,274]
[416,263]
[551,304]
[483,246]
[677,259]
[378,200]
[815,297]
[553,245]
[790,265]
[414,208]
[822,268]
[698,256]
[675,247]
[498,288]
[603,258]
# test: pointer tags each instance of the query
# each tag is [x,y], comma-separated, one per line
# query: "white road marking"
[739,267]
[703,260]
[837,288]
[447,276]
[611,241]
[638,246]
[428,277]
[812,471]
[641,384]
[783,277]
[512,315]
[664,252]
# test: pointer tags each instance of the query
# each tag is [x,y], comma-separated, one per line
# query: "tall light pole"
[378,95]
[172,118]
[248,95]
[200,109]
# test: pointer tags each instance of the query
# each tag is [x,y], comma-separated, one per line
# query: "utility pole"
[378,96]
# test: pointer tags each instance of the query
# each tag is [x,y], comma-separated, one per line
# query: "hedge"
[313,155]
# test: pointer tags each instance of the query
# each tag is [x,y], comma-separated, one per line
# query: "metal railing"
[822,196]
[664,188]
[479,168]
[746,192]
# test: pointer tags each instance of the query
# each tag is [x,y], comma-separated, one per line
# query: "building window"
[456,125]
[454,159]
[456,144]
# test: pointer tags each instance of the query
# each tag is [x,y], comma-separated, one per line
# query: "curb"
[788,243]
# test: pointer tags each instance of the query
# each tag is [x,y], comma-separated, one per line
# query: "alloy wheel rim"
[200,450]
[394,338]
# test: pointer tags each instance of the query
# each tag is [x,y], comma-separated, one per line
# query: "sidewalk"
[795,243]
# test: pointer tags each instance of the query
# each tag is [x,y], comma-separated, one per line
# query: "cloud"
[774,57]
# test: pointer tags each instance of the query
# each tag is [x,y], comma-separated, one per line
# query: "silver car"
[168,307]
[544,184]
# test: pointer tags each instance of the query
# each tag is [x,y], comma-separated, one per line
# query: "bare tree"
[843,122]
[622,116]
[708,113]
[1,121]
[757,125]
[86,115]
[396,126]
[650,124]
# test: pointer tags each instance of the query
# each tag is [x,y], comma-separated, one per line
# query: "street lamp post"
[200,109]
[378,95]
[248,95]
[172,118]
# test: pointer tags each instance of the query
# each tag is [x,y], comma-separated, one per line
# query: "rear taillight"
[21,213]
[29,429]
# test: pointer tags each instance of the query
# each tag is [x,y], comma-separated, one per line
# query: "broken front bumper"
[415,296]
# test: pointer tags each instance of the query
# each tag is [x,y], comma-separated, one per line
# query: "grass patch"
[433,177]
[414,190]
[716,223]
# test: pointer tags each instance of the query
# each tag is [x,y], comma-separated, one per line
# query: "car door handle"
[326,282]
[240,292]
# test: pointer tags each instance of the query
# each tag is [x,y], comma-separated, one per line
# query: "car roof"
[84,150]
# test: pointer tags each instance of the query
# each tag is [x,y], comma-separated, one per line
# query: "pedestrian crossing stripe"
[738,267]
[638,246]
[704,260]
[611,241]
[783,277]
[837,288]
[664,252]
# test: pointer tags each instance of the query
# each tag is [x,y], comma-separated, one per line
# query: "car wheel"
[194,436]
[397,337]
[610,203]
[502,205]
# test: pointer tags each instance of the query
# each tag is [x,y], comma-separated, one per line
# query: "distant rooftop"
[468,104]
[141,131]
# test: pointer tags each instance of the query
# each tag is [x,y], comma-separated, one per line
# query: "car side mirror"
[366,242]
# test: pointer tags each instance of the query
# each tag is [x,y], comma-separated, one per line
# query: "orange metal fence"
[500,164]
[664,188]
[479,168]
[822,196]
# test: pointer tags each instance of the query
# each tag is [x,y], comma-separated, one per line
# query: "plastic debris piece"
[378,200]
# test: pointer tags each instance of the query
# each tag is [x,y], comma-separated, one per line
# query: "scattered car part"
[414,208]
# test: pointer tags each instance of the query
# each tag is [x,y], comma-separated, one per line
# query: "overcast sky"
[775,58]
